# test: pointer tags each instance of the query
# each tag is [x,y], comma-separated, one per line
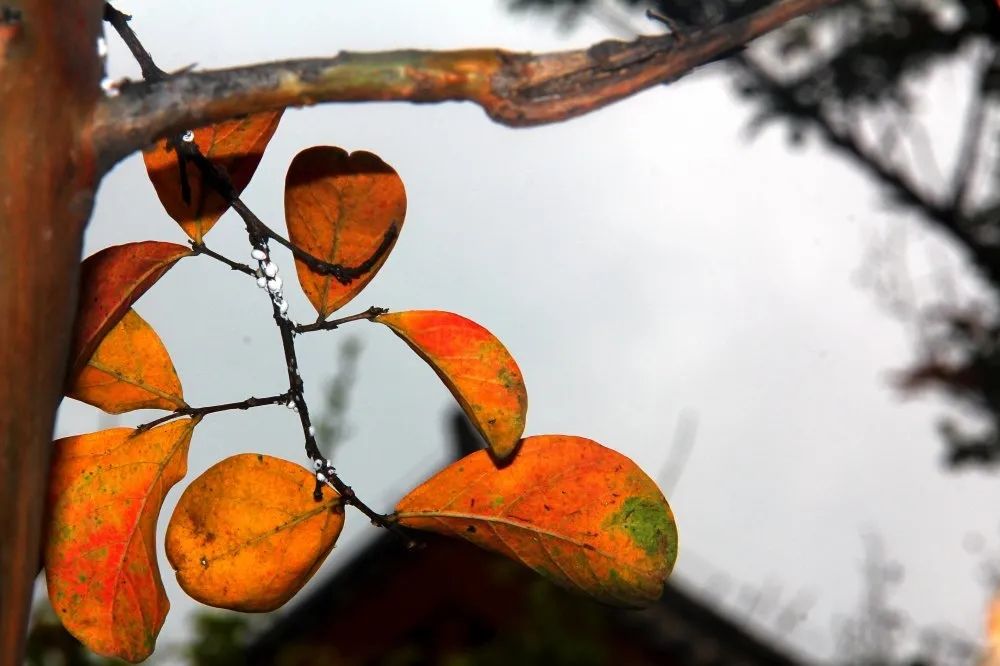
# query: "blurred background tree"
[859,77]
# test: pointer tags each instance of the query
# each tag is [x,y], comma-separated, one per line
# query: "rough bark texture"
[49,84]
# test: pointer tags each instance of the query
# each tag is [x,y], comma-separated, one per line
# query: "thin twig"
[280,399]
[119,21]
[332,324]
[325,471]
[515,89]
[972,140]
[201,248]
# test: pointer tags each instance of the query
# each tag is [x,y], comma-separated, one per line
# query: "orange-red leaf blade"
[236,145]
[130,369]
[576,512]
[476,368]
[338,208]
[110,282]
[992,654]
[105,493]
[248,534]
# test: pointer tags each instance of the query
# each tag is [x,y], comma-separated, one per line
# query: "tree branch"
[332,324]
[249,403]
[972,139]
[515,89]
[897,183]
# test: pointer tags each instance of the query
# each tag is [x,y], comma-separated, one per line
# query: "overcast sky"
[640,263]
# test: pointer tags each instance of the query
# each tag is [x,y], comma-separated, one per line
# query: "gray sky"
[639,263]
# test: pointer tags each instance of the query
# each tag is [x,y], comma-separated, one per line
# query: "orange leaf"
[105,492]
[236,145]
[248,534]
[110,282]
[338,208]
[574,511]
[476,368]
[993,632]
[131,369]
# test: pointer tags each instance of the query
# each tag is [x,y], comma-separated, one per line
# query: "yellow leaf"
[248,534]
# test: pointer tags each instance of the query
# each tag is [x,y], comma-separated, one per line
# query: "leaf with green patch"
[574,511]
[476,368]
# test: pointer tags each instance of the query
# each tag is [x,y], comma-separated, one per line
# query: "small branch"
[201,248]
[368,314]
[972,140]
[249,403]
[119,21]
[898,184]
[326,473]
[515,89]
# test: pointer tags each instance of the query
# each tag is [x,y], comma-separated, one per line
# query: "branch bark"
[515,89]
[49,84]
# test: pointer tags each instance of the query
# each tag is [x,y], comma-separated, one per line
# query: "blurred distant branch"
[900,184]
[516,89]
[972,140]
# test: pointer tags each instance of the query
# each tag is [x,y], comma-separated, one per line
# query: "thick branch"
[49,84]
[516,89]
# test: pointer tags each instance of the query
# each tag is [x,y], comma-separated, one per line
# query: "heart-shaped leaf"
[236,145]
[130,369]
[248,534]
[111,281]
[339,208]
[105,493]
[476,368]
[574,511]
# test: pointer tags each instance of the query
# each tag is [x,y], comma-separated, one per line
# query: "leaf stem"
[249,403]
[201,248]
[332,324]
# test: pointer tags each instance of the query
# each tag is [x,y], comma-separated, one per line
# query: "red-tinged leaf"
[339,208]
[993,632]
[105,493]
[476,368]
[236,145]
[130,369]
[111,281]
[574,511]
[248,534]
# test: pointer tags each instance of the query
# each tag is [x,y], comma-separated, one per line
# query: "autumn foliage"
[250,532]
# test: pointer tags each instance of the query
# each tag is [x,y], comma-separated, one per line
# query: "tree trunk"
[49,84]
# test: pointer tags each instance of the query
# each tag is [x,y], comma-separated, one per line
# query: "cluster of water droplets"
[267,278]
